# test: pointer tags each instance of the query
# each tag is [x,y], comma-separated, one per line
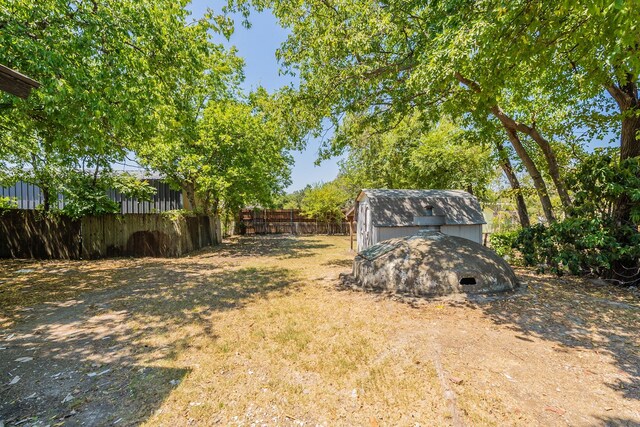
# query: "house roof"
[15,83]
[397,208]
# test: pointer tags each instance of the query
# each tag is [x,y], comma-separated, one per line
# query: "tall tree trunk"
[511,126]
[534,172]
[521,206]
[552,163]
[626,96]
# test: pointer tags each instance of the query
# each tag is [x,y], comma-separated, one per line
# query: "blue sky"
[257,45]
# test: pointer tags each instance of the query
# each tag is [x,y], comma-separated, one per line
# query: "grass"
[258,332]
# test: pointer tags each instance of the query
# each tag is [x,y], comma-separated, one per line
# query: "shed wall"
[471,232]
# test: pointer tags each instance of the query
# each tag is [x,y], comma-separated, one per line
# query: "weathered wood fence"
[275,221]
[29,234]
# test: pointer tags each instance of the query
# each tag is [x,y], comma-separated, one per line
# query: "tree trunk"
[627,99]
[629,147]
[552,163]
[46,198]
[511,127]
[191,195]
[521,206]
[626,96]
[536,176]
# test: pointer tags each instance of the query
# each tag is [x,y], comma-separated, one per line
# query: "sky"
[257,45]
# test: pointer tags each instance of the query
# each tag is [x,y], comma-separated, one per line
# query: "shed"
[388,214]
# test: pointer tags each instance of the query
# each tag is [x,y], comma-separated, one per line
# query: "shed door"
[367,228]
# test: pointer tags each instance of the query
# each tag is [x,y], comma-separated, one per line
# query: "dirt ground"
[260,332]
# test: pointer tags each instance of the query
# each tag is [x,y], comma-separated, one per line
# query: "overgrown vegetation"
[590,241]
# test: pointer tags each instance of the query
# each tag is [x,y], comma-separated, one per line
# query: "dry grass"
[257,332]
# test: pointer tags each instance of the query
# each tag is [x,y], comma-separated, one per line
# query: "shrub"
[504,243]
[7,203]
[590,240]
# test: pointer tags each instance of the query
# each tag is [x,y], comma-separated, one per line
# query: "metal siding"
[471,232]
[29,196]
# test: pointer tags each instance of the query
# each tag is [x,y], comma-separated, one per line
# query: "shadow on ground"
[576,313]
[94,360]
[345,263]
[572,312]
[280,246]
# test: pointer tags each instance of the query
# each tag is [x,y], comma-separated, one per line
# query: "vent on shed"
[468,281]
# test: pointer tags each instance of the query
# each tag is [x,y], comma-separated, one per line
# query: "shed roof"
[397,208]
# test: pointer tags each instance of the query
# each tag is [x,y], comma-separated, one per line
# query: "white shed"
[387,214]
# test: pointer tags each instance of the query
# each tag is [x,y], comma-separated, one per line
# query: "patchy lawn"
[259,332]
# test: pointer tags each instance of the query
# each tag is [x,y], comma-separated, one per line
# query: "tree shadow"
[279,246]
[339,262]
[616,422]
[96,359]
[576,313]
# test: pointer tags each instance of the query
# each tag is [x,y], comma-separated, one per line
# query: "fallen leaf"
[24,359]
[456,380]
[15,380]
[558,411]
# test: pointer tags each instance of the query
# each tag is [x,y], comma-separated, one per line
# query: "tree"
[106,68]
[292,200]
[247,159]
[417,155]
[461,58]
[234,154]
[324,202]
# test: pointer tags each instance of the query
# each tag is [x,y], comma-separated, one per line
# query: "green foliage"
[291,200]
[601,180]
[504,243]
[416,155]
[325,202]
[592,240]
[176,214]
[136,76]
[109,72]
[86,194]
[7,203]
[234,155]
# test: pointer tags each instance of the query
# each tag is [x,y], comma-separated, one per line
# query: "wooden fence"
[29,234]
[275,221]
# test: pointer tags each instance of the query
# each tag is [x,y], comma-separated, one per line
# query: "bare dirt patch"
[259,331]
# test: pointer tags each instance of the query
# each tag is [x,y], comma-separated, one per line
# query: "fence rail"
[284,221]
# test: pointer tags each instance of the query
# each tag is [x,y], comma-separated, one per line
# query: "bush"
[504,243]
[7,203]
[591,240]
[579,246]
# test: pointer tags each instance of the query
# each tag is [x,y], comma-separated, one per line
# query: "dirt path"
[259,332]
